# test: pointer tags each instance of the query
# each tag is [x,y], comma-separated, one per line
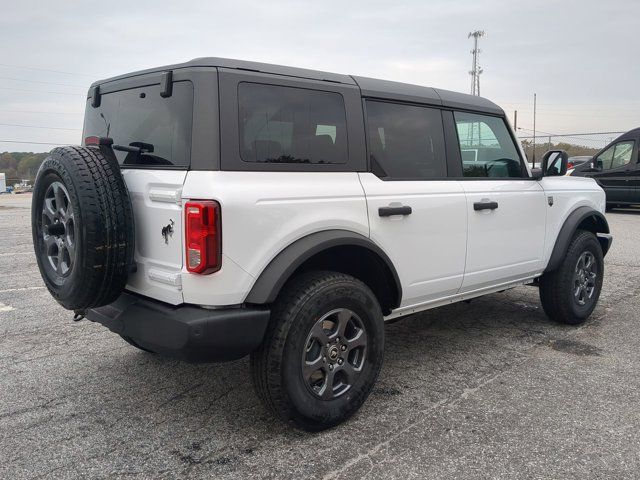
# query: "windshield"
[147,129]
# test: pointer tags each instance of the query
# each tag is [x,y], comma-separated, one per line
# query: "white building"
[3,183]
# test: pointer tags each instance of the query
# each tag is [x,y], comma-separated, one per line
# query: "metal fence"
[574,143]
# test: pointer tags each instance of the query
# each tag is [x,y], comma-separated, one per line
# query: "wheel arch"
[337,250]
[582,218]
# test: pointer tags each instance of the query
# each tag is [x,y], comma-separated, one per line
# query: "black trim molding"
[273,277]
[586,216]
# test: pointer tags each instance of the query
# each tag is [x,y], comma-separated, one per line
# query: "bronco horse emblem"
[167,231]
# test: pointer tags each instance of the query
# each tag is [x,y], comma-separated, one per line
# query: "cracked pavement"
[489,389]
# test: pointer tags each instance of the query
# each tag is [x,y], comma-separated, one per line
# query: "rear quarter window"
[147,129]
[291,125]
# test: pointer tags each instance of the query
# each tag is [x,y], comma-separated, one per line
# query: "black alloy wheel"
[335,353]
[57,229]
[322,351]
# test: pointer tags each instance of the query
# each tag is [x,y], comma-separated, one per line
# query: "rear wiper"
[126,148]
[135,147]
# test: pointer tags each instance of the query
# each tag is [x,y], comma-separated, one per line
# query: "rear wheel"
[570,293]
[322,352]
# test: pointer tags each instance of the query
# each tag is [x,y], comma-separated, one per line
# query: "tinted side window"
[617,155]
[487,147]
[405,141]
[604,159]
[155,130]
[622,154]
[291,125]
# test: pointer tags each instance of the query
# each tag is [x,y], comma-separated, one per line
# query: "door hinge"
[166,195]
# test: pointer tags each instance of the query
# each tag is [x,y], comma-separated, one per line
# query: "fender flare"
[282,266]
[600,227]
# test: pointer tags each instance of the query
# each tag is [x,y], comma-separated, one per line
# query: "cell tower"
[475,66]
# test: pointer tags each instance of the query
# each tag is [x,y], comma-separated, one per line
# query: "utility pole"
[534,130]
[515,120]
[475,66]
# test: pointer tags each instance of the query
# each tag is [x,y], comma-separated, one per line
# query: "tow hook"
[78,315]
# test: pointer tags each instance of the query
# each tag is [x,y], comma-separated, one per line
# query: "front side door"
[506,210]
[416,215]
[616,171]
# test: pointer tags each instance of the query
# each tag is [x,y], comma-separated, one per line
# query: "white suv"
[220,208]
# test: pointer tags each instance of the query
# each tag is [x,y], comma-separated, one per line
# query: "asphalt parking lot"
[490,389]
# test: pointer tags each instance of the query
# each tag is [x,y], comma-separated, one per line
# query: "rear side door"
[416,214]
[506,209]
[617,172]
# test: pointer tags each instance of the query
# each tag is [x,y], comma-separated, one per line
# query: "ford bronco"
[222,208]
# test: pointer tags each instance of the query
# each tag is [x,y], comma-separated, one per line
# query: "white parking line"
[15,253]
[22,289]
[5,308]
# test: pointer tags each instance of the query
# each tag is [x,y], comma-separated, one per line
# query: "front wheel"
[322,352]
[570,293]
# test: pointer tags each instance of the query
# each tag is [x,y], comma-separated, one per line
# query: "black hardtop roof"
[370,87]
[388,90]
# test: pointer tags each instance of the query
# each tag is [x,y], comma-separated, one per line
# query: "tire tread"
[106,218]
[266,360]
[555,293]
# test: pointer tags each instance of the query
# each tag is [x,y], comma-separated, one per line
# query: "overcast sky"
[580,57]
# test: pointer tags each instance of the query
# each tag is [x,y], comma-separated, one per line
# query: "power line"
[569,134]
[48,113]
[573,104]
[43,82]
[583,115]
[530,130]
[41,91]
[34,143]
[36,126]
[38,69]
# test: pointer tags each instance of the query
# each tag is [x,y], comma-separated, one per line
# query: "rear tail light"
[569,165]
[203,236]
[98,141]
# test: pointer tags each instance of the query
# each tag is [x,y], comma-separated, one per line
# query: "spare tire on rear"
[82,226]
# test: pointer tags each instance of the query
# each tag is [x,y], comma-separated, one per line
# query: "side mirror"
[554,163]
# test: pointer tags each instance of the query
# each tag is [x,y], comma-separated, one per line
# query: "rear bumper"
[186,332]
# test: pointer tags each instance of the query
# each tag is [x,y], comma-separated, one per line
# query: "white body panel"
[428,246]
[506,243]
[568,194]
[263,213]
[156,201]
[443,252]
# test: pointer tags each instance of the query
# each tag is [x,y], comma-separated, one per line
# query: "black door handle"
[485,206]
[388,211]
